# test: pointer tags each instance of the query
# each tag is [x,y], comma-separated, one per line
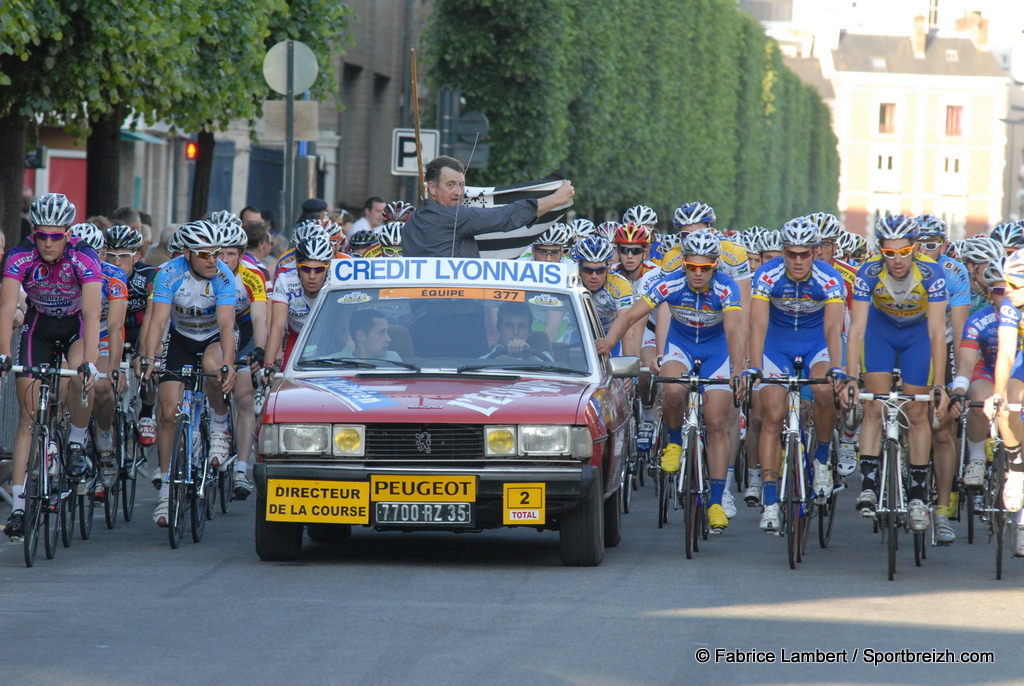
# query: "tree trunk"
[13,135]
[103,164]
[203,173]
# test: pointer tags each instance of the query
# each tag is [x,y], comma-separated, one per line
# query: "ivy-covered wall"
[640,101]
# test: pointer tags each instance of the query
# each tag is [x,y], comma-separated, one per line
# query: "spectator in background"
[147,237]
[100,222]
[314,208]
[373,216]
[127,216]
[343,218]
[159,254]
[259,244]
[250,214]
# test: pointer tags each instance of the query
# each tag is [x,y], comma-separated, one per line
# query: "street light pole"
[1011,150]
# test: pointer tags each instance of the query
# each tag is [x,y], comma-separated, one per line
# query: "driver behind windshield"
[515,322]
[370,340]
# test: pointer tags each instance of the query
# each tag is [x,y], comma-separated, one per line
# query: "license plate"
[445,514]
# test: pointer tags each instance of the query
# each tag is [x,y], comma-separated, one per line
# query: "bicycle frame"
[190,409]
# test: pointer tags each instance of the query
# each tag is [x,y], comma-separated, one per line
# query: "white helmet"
[800,231]
[641,214]
[390,235]
[582,228]
[593,249]
[314,247]
[982,250]
[557,234]
[702,243]
[895,227]
[199,234]
[51,209]
[771,241]
[90,235]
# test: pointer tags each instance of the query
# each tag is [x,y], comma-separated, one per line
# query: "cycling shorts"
[649,338]
[713,356]
[982,372]
[182,350]
[781,348]
[887,347]
[1018,367]
[41,334]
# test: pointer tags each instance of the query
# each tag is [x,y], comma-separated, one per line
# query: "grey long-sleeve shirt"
[431,231]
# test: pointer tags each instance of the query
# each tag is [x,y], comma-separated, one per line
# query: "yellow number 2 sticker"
[524,504]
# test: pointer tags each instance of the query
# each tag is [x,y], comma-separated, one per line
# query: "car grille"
[424,442]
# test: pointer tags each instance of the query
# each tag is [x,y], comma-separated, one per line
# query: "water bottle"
[52,455]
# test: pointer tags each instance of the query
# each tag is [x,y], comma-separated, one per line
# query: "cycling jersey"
[114,288]
[849,273]
[958,289]
[250,287]
[797,305]
[903,303]
[54,290]
[615,295]
[651,273]
[697,316]
[193,300]
[140,287]
[732,262]
[981,333]
[288,290]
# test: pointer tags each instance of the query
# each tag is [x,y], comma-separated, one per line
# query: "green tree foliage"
[654,101]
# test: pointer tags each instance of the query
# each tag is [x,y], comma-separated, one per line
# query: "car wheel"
[275,541]
[613,518]
[581,529]
[329,533]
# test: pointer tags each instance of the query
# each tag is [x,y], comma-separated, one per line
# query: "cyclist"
[751,242]
[114,299]
[295,291]
[364,243]
[1010,236]
[301,231]
[606,230]
[390,237]
[612,294]
[796,311]
[551,245]
[898,321]
[771,246]
[397,211]
[580,229]
[62,280]
[251,321]
[705,326]
[195,295]
[977,254]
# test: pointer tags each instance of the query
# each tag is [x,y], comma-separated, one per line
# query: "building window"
[954,115]
[887,117]
[952,165]
[933,13]
[885,162]
[952,56]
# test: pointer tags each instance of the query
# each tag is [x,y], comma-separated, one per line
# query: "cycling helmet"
[845,244]
[89,234]
[953,249]
[827,224]
[632,233]
[51,209]
[771,241]
[593,249]
[607,230]
[982,250]
[225,218]
[363,238]
[316,246]
[640,214]
[930,226]
[123,237]
[667,241]
[557,234]
[582,228]
[1013,268]
[174,244]
[199,234]
[993,272]
[390,235]
[309,227]
[801,231]
[397,211]
[895,227]
[693,213]
[702,243]
[234,236]
[751,238]
[1010,235]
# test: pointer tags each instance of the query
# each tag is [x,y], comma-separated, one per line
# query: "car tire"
[275,541]
[329,533]
[613,518]
[581,529]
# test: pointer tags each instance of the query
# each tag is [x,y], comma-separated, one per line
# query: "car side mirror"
[626,366]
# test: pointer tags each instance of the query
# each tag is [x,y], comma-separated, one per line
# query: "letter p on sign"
[403,150]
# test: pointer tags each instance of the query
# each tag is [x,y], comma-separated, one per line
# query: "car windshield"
[446,327]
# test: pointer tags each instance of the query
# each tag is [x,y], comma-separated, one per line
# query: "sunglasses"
[630,251]
[118,256]
[798,254]
[997,290]
[207,254]
[391,252]
[310,269]
[593,270]
[694,267]
[548,253]
[930,245]
[47,236]
[900,252]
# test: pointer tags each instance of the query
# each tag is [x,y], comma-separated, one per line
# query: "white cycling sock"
[755,475]
[219,422]
[17,495]
[242,467]
[165,490]
[77,434]
[976,451]
[105,440]
[647,414]
[730,477]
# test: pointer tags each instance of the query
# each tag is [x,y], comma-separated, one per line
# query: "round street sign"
[275,67]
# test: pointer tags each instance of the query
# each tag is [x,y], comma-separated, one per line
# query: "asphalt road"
[498,608]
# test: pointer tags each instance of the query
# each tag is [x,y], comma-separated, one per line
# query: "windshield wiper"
[522,366]
[351,362]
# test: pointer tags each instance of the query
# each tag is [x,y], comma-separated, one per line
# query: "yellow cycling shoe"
[717,519]
[670,457]
[954,498]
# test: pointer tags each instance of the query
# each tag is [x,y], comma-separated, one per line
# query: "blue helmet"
[895,227]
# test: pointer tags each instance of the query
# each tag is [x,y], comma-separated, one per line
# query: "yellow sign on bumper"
[319,502]
[397,488]
[524,504]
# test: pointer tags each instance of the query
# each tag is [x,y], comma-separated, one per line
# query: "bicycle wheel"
[53,522]
[994,505]
[87,500]
[112,493]
[827,510]
[666,490]
[792,505]
[201,492]
[892,466]
[967,501]
[133,457]
[35,498]
[178,500]
[689,493]
[69,511]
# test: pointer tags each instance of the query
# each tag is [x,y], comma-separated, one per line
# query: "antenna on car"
[455,226]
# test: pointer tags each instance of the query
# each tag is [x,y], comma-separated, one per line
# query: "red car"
[446,394]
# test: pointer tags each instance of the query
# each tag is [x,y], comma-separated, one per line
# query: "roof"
[895,55]
[808,70]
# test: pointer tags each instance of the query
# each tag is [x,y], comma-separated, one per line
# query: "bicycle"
[795,480]
[129,453]
[191,477]
[891,512]
[47,494]
[993,512]
[690,486]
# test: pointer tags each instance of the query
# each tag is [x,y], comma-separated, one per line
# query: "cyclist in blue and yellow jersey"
[195,295]
[931,242]
[551,246]
[705,325]
[114,303]
[977,253]
[751,242]
[898,322]
[796,311]
[612,294]
[251,320]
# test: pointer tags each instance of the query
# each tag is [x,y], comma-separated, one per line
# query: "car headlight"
[582,442]
[545,439]
[500,441]
[304,439]
[348,440]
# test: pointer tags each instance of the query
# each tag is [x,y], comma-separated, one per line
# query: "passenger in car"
[370,340]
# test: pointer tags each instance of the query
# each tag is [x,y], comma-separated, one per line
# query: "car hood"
[464,399]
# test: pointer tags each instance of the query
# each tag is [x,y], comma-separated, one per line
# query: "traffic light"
[191,150]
